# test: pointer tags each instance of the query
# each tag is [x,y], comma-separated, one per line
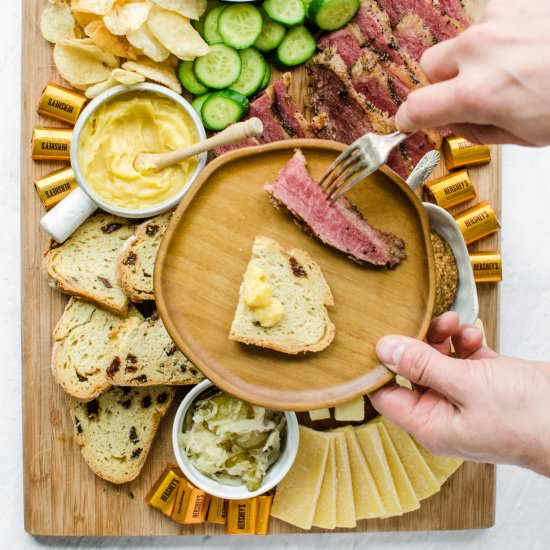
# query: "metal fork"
[363,157]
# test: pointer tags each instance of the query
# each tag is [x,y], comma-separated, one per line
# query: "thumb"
[423,365]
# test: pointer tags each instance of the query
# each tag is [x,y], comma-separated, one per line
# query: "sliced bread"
[297,282]
[85,264]
[145,355]
[136,260]
[82,350]
[116,430]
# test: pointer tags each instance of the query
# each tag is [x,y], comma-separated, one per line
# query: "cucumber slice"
[198,25]
[223,108]
[211,34]
[188,79]
[198,102]
[287,12]
[332,14]
[267,76]
[271,36]
[219,68]
[239,25]
[297,47]
[252,72]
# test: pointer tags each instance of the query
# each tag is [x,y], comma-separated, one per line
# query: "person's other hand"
[477,404]
[491,83]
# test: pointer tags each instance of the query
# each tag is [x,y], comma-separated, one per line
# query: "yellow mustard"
[258,296]
[142,122]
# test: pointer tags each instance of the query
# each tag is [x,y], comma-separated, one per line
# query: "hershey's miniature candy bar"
[477,222]
[264,511]
[450,190]
[217,511]
[487,266]
[191,504]
[51,143]
[53,188]
[163,494]
[61,103]
[459,153]
[241,516]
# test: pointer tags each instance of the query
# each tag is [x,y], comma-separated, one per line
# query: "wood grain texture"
[62,496]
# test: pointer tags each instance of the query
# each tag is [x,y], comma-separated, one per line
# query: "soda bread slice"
[297,282]
[145,355]
[85,264]
[82,350]
[116,430]
[136,261]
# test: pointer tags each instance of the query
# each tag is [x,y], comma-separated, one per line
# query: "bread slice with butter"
[116,430]
[283,301]
[145,355]
[82,349]
[85,264]
[136,261]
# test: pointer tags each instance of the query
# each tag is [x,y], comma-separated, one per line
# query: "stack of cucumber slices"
[239,35]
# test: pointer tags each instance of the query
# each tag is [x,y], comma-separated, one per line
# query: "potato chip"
[98,7]
[127,18]
[118,76]
[188,8]
[157,72]
[115,45]
[176,34]
[81,63]
[82,19]
[57,23]
[144,40]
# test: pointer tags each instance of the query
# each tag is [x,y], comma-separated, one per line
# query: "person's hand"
[491,83]
[477,405]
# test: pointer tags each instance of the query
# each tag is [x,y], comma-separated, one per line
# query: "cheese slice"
[367,499]
[296,497]
[443,467]
[352,411]
[373,451]
[407,497]
[345,507]
[325,513]
[319,414]
[423,480]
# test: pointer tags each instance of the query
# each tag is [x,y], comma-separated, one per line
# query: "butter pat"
[319,414]
[258,296]
[352,411]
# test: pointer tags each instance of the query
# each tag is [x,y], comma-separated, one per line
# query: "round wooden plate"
[206,249]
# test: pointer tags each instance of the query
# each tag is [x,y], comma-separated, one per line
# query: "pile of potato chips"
[102,43]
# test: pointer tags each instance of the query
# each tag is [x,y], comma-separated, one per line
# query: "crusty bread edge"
[122,270]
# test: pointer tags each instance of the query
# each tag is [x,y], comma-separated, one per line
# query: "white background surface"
[523,510]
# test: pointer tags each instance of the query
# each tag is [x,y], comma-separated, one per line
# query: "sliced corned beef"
[345,42]
[399,163]
[290,118]
[339,225]
[263,109]
[455,9]
[413,36]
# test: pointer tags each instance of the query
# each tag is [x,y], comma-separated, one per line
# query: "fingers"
[467,340]
[487,134]
[440,331]
[439,62]
[423,365]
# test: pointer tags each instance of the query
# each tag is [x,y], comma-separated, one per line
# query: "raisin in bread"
[297,282]
[85,264]
[82,349]
[116,430]
[136,261]
[145,355]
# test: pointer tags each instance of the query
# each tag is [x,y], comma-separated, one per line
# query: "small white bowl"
[216,488]
[465,302]
[62,220]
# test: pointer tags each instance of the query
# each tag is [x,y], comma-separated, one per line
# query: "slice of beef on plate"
[339,225]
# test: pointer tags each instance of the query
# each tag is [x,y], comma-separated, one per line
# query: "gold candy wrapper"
[460,153]
[477,222]
[191,504]
[264,511]
[163,494]
[60,103]
[217,511]
[450,190]
[241,516]
[55,187]
[487,266]
[51,144]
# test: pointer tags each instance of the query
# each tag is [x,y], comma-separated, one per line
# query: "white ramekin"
[274,475]
[62,220]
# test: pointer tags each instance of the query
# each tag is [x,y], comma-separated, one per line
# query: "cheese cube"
[352,411]
[319,414]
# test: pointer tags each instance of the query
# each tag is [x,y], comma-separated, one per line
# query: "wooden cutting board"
[62,496]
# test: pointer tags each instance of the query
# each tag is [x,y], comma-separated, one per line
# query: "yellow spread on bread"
[258,296]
